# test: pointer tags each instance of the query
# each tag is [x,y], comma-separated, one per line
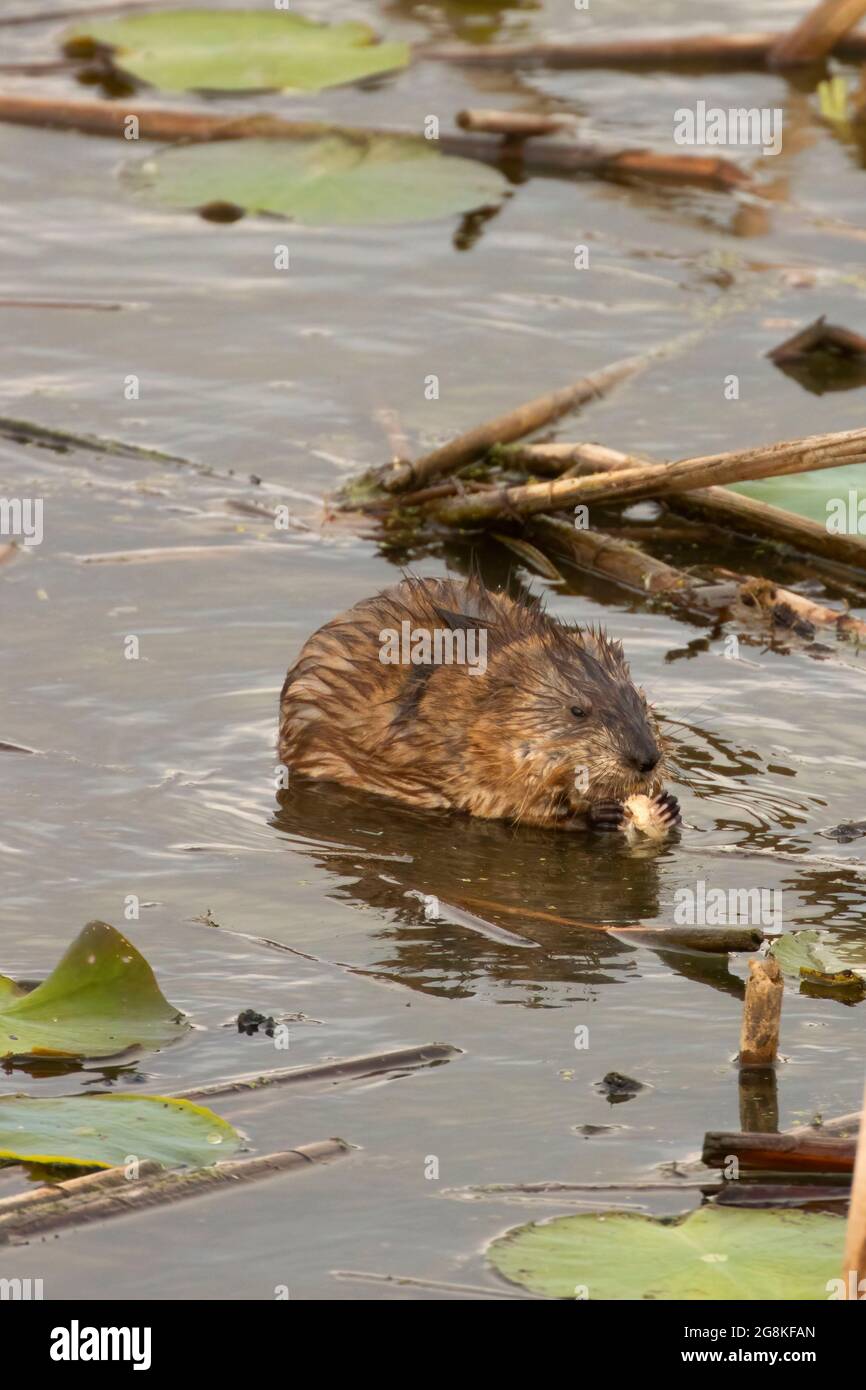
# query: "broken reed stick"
[730,510]
[524,419]
[614,559]
[103,1181]
[710,50]
[762,1014]
[783,1153]
[817,33]
[552,158]
[854,1261]
[747,597]
[521,125]
[350,1069]
[67,1205]
[659,480]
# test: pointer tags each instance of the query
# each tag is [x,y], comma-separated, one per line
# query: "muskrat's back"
[446,695]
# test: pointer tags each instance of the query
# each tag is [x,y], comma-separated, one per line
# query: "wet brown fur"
[504,744]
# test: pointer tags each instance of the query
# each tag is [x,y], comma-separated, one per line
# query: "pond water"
[155,777]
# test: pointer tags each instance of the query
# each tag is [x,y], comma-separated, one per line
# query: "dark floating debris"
[618,1087]
[249,1022]
[846,832]
[823,357]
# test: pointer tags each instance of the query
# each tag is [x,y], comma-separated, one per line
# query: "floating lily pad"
[835,969]
[236,50]
[102,999]
[330,181]
[104,1131]
[713,1253]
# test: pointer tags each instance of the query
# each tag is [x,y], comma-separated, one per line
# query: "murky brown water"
[155,777]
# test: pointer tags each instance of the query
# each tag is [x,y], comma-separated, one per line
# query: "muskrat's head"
[557,719]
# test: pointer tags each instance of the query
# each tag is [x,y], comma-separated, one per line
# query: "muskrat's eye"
[578,712]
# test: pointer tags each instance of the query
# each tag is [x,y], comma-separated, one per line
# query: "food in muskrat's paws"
[442,694]
[653,816]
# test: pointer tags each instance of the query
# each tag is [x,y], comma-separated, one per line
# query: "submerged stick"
[524,419]
[713,940]
[26,432]
[817,33]
[854,1262]
[660,480]
[437,1285]
[744,596]
[77,1207]
[350,1069]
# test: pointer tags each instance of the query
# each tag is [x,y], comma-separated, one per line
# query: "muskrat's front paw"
[667,808]
[606,815]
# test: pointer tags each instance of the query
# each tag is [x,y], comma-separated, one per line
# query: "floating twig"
[350,1069]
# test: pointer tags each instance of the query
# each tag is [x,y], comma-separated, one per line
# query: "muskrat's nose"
[646,759]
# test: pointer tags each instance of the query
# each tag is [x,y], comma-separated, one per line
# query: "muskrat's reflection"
[507,897]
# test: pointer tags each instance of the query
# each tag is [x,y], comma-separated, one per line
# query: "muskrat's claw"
[668,808]
[606,815]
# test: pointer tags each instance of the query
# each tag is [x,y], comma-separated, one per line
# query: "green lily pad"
[236,50]
[835,969]
[713,1253]
[102,999]
[104,1131]
[334,180]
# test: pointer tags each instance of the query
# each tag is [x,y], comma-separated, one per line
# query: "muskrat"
[549,730]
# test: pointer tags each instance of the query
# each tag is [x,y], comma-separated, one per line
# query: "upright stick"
[854,1263]
[762,1014]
